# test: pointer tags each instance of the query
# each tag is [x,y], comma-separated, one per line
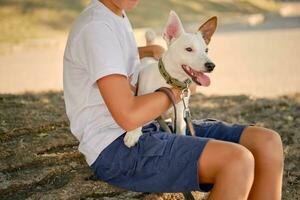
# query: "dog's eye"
[206,50]
[189,49]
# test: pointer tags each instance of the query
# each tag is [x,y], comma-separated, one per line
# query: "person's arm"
[154,51]
[131,111]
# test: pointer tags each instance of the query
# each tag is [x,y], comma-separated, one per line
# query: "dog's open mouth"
[198,77]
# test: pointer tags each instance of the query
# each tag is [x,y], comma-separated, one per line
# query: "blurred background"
[256,46]
[256,49]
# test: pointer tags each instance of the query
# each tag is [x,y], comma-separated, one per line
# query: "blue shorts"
[162,162]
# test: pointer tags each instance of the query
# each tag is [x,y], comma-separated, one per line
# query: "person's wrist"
[157,51]
[177,93]
[153,50]
[172,93]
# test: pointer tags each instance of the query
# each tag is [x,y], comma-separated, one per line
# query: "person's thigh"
[159,162]
[221,150]
[162,162]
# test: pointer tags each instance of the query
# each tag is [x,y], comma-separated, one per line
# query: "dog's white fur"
[177,40]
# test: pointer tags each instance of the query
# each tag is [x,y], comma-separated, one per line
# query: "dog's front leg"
[180,124]
[132,137]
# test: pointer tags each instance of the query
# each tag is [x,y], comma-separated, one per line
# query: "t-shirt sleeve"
[101,50]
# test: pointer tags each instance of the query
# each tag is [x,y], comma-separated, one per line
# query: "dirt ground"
[39,157]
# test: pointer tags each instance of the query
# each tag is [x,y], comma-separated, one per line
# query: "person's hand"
[177,92]
[157,51]
[154,51]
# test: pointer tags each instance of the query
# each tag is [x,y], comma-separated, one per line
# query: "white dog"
[186,57]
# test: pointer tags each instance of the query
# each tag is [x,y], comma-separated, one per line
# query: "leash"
[187,118]
[160,120]
[187,113]
[184,87]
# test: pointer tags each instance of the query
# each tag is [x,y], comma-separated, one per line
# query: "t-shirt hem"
[91,154]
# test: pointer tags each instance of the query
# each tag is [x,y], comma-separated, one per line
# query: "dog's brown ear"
[173,28]
[208,29]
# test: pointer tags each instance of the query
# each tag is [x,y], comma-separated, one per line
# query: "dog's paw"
[131,138]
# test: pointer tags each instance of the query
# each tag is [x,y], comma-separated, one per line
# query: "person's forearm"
[148,107]
[130,111]
[145,51]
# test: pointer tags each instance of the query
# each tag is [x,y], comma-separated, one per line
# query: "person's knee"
[221,158]
[271,149]
[241,162]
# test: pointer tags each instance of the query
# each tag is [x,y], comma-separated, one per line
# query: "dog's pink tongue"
[203,79]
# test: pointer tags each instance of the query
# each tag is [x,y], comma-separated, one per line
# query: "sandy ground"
[259,61]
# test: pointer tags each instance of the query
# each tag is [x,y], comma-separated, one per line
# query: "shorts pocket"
[106,174]
[116,160]
[149,145]
[126,160]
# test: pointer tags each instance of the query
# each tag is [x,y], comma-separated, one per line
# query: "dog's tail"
[150,36]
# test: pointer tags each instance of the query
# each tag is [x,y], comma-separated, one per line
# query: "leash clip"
[186,113]
[186,90]
[185,93]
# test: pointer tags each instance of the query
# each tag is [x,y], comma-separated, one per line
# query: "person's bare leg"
[266,147]
[230,167]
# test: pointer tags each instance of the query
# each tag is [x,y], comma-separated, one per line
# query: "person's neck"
[110,5]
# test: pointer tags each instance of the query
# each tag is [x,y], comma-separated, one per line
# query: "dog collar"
[170,80]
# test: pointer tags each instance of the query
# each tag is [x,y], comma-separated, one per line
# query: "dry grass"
[39,157]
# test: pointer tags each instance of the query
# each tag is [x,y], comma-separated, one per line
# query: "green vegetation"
[30,19]
[155,12]
[25,19]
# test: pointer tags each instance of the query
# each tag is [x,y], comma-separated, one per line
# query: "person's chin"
[133,4]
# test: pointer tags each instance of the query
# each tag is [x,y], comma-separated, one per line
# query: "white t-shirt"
[100,43]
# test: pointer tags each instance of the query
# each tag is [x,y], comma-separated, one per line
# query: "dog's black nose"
[209,66]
